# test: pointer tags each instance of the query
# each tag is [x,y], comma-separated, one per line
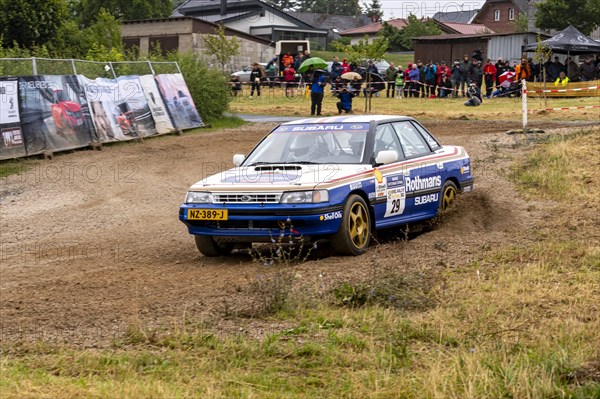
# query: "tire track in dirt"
[91,240]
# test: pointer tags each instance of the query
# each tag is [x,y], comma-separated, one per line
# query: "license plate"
[207,214]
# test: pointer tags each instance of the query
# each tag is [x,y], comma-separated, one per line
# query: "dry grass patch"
[273,102]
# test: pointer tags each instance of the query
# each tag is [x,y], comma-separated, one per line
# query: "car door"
[423,177]
[390,195]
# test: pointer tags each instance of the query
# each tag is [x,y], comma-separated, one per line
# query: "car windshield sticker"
[396,196]
[323,127]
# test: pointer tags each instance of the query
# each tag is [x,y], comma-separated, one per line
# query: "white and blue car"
[337,178]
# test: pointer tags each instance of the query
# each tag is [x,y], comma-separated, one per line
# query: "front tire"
[447,195]
[209,247]
[354,234]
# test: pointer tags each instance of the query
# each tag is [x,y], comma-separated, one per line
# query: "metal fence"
[60,66]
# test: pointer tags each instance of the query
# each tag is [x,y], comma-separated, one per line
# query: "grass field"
[274,102]
[520,322]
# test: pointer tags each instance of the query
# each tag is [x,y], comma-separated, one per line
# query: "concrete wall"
[191,34]
[250,52]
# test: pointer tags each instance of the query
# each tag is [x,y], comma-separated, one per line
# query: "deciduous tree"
[221,46]
[558,14]
[30,23]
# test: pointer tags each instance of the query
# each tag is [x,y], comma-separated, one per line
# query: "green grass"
[555,170]
[397,59]
[11,167]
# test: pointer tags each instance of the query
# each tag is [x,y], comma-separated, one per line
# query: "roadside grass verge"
[11,167]
[274,102]
[567,167]
[523,322]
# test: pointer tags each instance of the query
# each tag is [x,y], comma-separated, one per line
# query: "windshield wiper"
[305,163]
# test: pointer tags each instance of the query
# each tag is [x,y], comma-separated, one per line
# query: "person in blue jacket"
[430,75]
[345,103]
[316,92]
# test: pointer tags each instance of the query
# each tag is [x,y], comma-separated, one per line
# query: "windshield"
[342,143]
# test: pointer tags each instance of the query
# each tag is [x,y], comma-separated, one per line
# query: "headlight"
[197,197]
[305,197]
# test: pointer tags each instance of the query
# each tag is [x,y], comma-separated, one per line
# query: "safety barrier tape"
[564,90]
[565,108]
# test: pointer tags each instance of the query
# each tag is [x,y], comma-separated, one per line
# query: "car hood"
[277,177]
[70,106]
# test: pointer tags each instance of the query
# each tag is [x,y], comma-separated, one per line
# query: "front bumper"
[265,222]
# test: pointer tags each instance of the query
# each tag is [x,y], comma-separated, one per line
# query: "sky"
[424,8]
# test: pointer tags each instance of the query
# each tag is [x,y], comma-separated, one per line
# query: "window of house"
[496,15]
[511,14]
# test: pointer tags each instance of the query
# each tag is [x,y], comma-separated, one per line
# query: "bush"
[207,86]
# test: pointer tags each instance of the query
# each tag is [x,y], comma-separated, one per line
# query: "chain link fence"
[49,66]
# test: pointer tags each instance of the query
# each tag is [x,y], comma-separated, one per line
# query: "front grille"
[247,198]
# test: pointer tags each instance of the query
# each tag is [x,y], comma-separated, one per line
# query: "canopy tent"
[569,41]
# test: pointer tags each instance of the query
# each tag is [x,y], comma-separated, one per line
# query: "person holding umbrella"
[316,92]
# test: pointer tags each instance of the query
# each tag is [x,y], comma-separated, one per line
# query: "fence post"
[524,104]
[150,66]
[73,65]
[34,65]
[112,69]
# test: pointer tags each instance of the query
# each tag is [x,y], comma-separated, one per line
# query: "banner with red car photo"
[54,113]
[12,144]
[179,101]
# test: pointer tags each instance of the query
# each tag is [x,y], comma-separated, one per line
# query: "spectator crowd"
[424,79]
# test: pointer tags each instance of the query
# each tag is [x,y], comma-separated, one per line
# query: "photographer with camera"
[345,103]
[474,94]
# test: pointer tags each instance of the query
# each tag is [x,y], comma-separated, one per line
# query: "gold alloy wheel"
[358,225]
[448,196]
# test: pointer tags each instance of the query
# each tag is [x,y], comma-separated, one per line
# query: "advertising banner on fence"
[54,113]
[179,101]
[113,122]
[120,109]
[12,144]
[157,106]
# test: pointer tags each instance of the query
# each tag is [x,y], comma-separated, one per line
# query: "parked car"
[244,74]
[337,178]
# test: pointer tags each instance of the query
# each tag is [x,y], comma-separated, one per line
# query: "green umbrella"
[316,63]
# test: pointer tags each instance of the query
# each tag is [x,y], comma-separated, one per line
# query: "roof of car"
[347,119]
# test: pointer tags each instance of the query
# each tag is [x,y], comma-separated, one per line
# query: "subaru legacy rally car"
[339,178]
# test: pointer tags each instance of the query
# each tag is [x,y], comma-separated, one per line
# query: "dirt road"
[91,240]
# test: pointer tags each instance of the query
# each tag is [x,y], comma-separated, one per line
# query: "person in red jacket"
[442,69]
[345,66]
[489,74]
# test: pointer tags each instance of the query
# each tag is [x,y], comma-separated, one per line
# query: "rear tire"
[354,234]
[447,195]
[209,247]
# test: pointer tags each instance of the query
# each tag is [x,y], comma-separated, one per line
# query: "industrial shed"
[453,46]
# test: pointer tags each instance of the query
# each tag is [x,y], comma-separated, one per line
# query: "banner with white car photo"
[179,101]
[54,113]
[12,144]
[157,106]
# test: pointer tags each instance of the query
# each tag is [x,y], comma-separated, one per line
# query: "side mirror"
[238,159]
[387,156]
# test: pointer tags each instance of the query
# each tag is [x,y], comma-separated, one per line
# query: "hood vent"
[272,168]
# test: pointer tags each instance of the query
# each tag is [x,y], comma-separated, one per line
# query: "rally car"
[337,178]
